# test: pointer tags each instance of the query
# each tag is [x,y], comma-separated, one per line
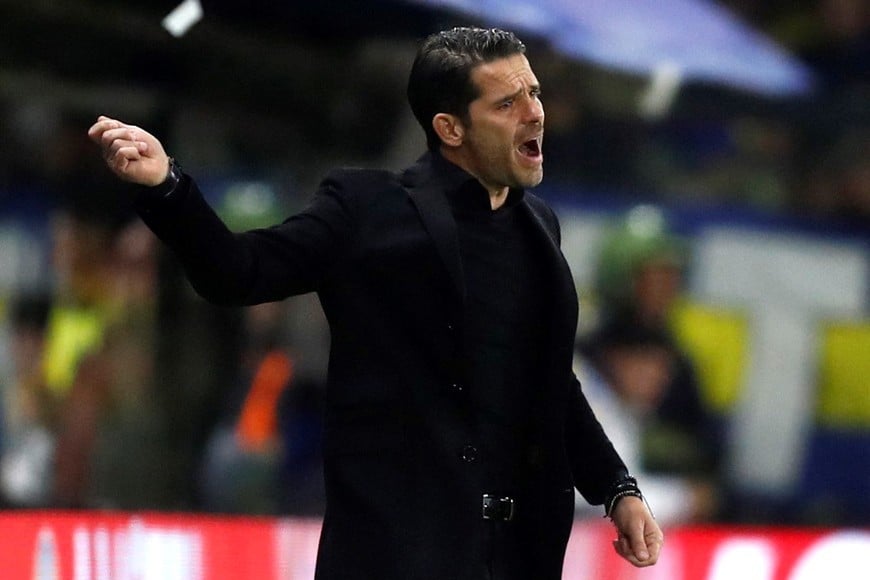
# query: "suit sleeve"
[595,464]
[256,266]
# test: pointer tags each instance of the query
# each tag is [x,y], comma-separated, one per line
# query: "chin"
[532,180]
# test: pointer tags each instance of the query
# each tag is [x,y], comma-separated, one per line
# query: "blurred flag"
[694,40]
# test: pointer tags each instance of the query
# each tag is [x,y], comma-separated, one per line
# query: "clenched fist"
[639,539]
[131,153]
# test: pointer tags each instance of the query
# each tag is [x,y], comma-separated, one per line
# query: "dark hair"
[440,80]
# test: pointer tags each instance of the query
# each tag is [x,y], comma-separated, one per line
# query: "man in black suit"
[455,431]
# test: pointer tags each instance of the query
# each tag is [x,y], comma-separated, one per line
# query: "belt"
[498,508]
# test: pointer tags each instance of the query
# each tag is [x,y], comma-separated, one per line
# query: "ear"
[449,128]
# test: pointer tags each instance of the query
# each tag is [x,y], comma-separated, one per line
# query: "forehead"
[503,75]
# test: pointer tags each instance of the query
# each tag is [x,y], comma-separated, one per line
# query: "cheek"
[493,133]
[489,147]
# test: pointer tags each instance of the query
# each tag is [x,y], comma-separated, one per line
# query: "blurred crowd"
[119,388]
[122,390]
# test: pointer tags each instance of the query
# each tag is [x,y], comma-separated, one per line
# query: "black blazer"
[402,464]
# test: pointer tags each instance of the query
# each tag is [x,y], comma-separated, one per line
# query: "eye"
[506,104]
[535,93]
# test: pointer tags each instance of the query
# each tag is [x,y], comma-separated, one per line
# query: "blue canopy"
[699,39]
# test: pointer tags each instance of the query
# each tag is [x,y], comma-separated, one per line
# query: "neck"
[497,194]
[497,198]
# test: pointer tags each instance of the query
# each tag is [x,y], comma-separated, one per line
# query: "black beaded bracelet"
[625,487]
[618,496]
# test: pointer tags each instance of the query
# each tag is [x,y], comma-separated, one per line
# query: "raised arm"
[225,267]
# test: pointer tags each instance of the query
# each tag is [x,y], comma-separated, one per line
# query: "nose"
[535,111]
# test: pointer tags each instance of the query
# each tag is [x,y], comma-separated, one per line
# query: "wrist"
[624,487]
[171,181]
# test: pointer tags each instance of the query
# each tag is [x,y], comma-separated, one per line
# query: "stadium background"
[122,391]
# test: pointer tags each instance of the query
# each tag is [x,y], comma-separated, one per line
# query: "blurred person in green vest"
[638,380]
[96,365]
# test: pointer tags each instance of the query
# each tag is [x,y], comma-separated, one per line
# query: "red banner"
[725,553]
[96,546]
[115,546]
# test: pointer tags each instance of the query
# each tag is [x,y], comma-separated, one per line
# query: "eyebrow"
[514,95]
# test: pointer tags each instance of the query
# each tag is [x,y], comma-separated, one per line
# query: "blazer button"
[469,454]
[457,388]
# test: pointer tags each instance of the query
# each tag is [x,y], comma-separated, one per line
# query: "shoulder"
[363,193]
[359,181]
[351,187]
[538,204]
[543,210]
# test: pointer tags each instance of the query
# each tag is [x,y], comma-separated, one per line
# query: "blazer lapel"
[565,295]
[427,193]
[428,196]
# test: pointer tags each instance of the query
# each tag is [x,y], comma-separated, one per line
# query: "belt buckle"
[498,508]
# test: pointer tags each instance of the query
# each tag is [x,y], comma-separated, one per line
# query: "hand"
[639,538]
[131,153]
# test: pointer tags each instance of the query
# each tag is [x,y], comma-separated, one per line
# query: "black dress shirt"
[505,286]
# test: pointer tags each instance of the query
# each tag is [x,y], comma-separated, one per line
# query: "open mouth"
[531,148]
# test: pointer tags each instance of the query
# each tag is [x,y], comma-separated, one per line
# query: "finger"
[121,161]
[637,544]
[102,125]
[625,552]
[120,133]
[105,119]
[139,137]
[119,144]
[95,133]
[128,134]
[632,559]
[654,543]
[621,546]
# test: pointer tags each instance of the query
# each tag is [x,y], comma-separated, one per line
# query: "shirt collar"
[464,191]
